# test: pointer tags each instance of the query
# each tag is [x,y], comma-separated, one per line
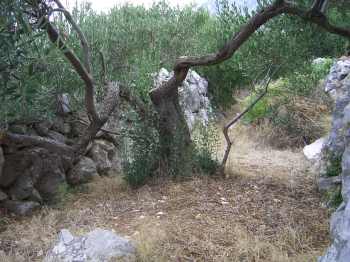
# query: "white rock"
[313,151]
[97,246]
[193,96]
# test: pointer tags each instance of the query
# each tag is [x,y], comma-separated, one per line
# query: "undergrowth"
[293,111]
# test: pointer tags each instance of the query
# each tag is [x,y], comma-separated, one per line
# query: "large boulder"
[338,82]
[193,97]
[97,246]
[339,71]
[339,144]
[83,172]
[106,157]
[14,166]
[32,174]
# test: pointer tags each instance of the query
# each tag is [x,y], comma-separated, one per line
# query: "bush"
[206,148]
[292,112]
[334,166]
[334,198]
[141,153]
[264,107]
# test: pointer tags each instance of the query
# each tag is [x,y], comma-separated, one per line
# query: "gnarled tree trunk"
[174,134]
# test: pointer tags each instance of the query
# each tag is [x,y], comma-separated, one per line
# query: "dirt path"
[266,210]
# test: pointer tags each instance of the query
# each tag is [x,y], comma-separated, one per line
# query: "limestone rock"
[83,172]
[326,184]
[57,136]
[21,208]
[106,157]
[339,251]
[48,174]
[100,154]
[313,151]
[338,80]
[30,169]
[14,166]
[339,71]
[338,144]
[63,104]
[22,189]
[193,97]
[97,246]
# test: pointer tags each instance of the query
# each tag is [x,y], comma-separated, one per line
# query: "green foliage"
[137,42]
[334,166]
[142,157]
[204,157]
[284,41]
[276,92]
[334,198]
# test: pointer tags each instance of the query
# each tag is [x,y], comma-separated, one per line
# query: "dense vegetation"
[138,41]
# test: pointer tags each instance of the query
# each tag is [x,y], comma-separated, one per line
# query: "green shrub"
[334,167]
[263,108]
[334,198]
[206,147]
[141,152]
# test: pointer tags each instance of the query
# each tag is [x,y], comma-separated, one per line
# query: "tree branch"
[317,18]
[103,68]
[134,100]
[238,117]
[79,68]
[83,41]
[183,64]
[319,6]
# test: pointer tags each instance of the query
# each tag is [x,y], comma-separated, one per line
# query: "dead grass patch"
[267,211]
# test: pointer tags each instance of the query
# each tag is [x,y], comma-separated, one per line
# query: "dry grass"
[266,210]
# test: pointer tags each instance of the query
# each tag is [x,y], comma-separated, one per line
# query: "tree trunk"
[174,135]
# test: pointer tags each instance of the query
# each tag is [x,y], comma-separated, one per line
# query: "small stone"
[65,236]
[40,253]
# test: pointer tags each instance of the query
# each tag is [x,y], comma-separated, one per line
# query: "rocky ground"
[267,209]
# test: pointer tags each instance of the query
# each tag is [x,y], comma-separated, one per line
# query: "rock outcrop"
[83,172]
[193,97]
[313,151]
[337,148]
[31,176]
[96,246]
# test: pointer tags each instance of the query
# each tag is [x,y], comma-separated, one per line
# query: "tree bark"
[174,135]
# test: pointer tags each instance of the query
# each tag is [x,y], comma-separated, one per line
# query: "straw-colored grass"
[266,210]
